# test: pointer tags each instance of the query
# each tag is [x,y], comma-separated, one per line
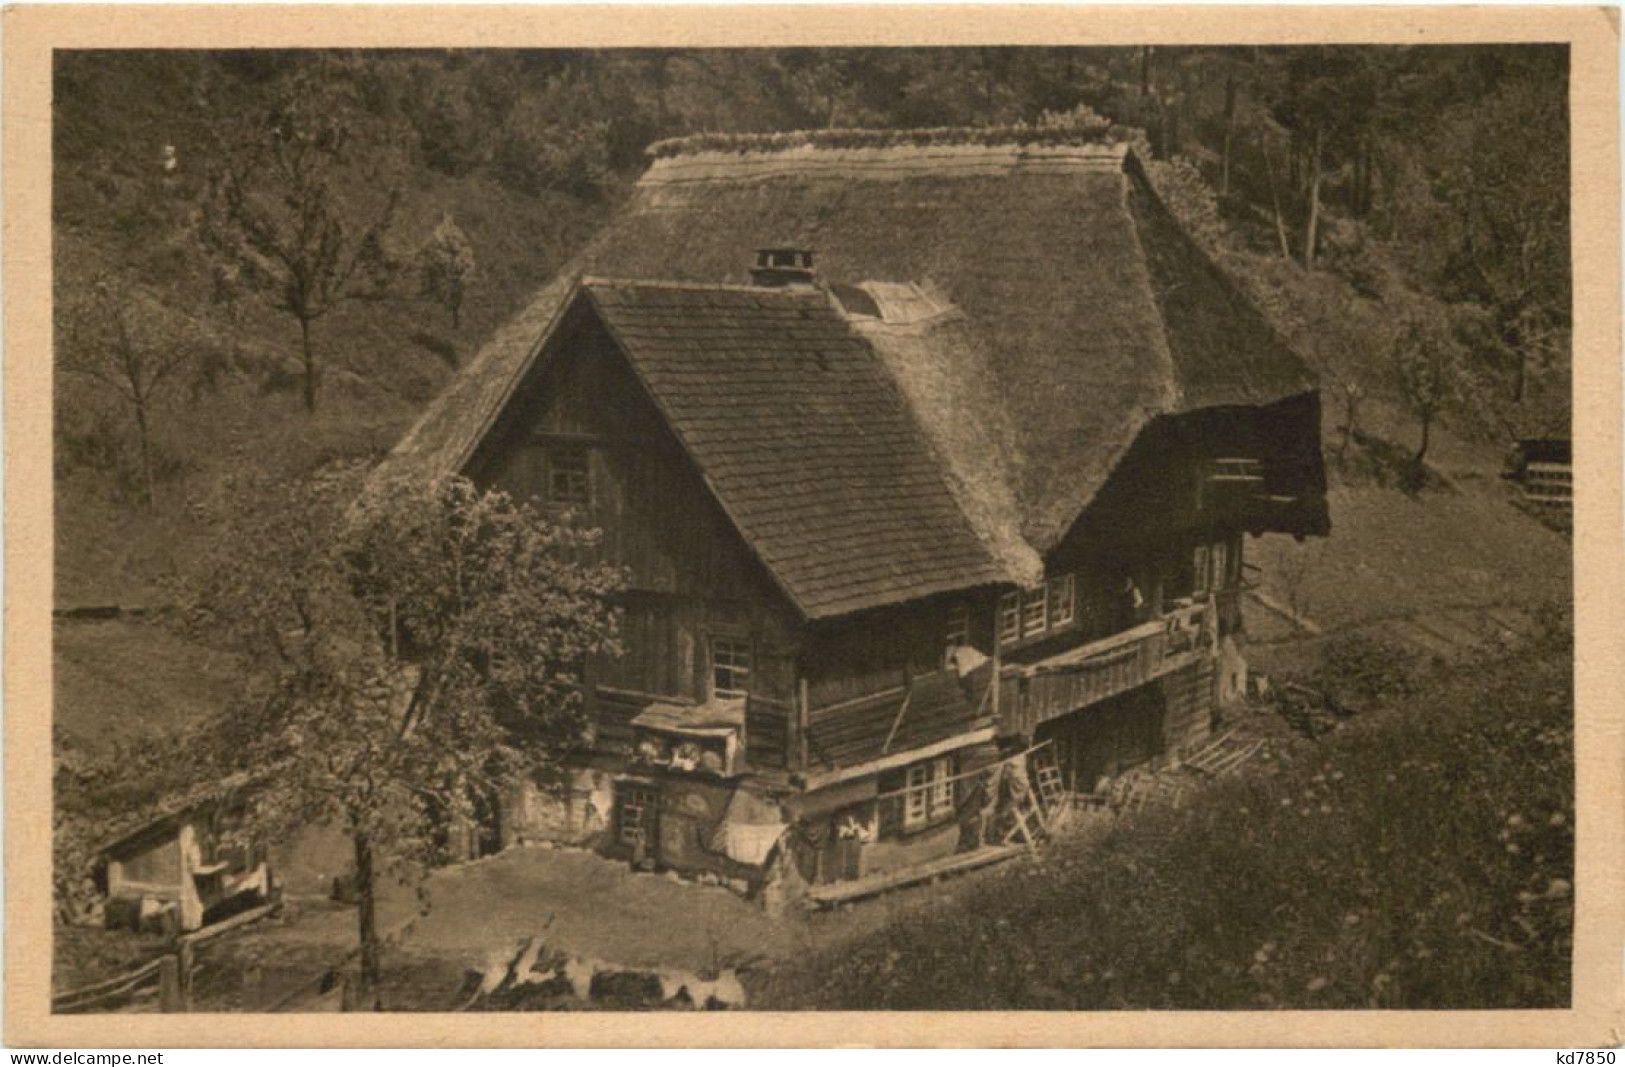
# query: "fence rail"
[165,982]
[159,978]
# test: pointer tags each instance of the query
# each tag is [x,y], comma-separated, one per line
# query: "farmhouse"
[920,456]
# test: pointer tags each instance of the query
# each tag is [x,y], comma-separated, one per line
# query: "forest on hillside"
[256,240]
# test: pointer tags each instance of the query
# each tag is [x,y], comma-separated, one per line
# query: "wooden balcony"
[1037,692]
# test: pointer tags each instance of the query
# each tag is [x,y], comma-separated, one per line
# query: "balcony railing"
[1090,673]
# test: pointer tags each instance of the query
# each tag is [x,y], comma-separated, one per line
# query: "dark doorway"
[1106,739]
[637,818]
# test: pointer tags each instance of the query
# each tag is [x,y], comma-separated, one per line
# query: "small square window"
[1062,600]
[1034,612]
[730,668]
[1009,618]
[918,807]
[929,792]
[568,479]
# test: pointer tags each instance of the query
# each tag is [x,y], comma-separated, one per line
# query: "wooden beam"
[901,759]
[803,716]
[837,892]
[902,710]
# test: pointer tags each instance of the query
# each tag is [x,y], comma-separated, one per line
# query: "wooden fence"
[154,986]
[160,985]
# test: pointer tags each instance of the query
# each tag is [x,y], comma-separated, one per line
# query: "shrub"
[1421,859]
[1357,670]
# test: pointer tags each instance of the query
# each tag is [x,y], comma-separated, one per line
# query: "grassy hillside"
[529,151]
[237,411]
[1421,858]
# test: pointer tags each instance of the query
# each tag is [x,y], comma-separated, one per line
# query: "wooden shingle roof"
[1084,315]
[803,437]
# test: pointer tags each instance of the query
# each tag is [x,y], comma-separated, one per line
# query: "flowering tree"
[416,649]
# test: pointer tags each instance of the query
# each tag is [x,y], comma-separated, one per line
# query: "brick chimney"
[778,267]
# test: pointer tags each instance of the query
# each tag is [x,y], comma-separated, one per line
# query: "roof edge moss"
[1101,134]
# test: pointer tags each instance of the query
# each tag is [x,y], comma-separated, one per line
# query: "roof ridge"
[1020,134]
[592,281]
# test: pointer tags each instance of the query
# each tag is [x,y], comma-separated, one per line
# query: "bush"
[1418,860]
[1357,671]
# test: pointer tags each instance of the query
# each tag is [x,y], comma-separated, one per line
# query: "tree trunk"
[1275,198]
[1229,134]
[367,919]
[456,314]
[1422,449]
[310,364]
[1351,411]
[1145,71]
[1363,188]
[1311,230]
[148,489]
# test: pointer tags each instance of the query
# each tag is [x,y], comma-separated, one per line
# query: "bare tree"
[115,337]
[274,210]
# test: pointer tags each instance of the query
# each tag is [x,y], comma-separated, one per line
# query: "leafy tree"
[1508,189]
[1325,97]
[282,204]
[415,648]
[117,338]
[1429,376]
[446,268]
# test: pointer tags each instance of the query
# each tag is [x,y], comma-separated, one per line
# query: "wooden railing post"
[186,960]
[170,998]
[802,715]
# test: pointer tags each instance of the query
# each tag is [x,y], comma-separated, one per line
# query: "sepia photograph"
[1057,528]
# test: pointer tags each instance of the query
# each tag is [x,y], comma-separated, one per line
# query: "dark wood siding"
[881,650]
[690,577]
[656,516]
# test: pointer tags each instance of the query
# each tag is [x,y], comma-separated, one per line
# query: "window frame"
[580,496]
[1035,611]
[1062,589]
[928,797]
[1010,618]
[738,649]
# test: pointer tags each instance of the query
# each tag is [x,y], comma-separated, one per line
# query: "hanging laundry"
[750,828]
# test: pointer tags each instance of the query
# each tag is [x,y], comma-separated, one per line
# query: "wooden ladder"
[1046,774]
[1026,812]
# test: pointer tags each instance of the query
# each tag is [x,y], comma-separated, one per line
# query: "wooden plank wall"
[767,732]
[1189,697]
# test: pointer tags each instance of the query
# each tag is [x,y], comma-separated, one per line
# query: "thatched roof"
[1086,311]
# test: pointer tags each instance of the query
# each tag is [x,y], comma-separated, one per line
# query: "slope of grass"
[1421,858]
[119,681]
